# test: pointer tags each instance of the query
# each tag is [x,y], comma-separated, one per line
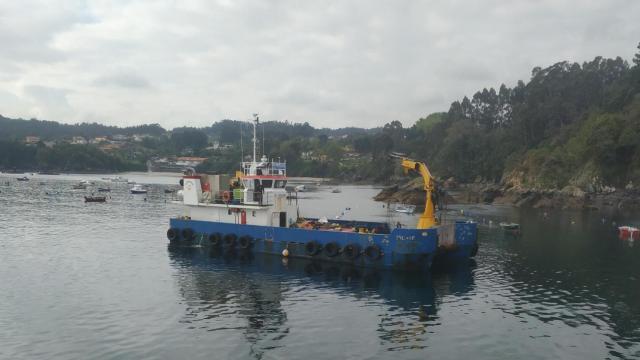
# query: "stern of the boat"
[413,248]
[457,241]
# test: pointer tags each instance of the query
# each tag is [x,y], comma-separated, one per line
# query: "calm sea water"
[98,281]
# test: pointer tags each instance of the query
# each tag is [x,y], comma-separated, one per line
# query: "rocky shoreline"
[571,197]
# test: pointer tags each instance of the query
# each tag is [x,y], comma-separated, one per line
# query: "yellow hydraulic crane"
[428,217]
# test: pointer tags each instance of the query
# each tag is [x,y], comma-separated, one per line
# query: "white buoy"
[285,253]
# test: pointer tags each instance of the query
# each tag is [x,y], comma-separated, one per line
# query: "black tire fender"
[373,252]
[332,249]
[172,234]
[351,251]
[312,248]
[229,240]
[245,242]
[215,239]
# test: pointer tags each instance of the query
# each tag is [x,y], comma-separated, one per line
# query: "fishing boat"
[23,178]
[138,189]
[405,209]
[258,217]
[99,199]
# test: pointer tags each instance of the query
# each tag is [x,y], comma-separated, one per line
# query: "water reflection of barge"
[259,217]
[404,289]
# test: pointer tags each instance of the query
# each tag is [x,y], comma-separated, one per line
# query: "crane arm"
[428,217]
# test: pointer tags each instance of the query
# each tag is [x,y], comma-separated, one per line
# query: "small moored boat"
[101,189]
[138,189]
[405,209]
[509,226]
[24,178]
[99,199]
[79,187]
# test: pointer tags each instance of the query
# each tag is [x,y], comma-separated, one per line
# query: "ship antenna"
[263,153]
[255,140]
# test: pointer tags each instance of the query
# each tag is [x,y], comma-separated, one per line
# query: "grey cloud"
[132,81]
[334,63]
[48,102]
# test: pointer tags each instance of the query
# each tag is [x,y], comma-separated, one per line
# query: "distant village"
[104,143]
[109,144]
[178,162]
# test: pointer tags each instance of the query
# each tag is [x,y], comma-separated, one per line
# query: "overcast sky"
[331,63]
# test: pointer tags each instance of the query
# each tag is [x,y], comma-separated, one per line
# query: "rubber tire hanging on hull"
[351,251]
[312,248]
[215,239]
[187,234]
[172,234]
[373,252]
[332,249]
[245,242]
[229,240]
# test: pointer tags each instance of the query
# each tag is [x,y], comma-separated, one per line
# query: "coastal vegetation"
[570,125]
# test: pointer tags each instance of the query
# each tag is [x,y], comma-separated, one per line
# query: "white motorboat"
[405,209]
[138,189]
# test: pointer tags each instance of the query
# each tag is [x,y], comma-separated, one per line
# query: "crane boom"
[428,217]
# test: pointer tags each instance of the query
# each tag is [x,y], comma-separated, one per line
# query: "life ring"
[226,196]
[229,240]
[172,234]
[187,234]
[373,252]
[215,239]
[245,242]
[351,251]
[332,249]
[312,248]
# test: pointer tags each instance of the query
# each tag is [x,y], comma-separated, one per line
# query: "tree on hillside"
[189,138]
[426,123]
[636,58]
[395,131]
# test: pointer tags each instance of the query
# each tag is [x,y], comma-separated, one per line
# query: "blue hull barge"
[257,215]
